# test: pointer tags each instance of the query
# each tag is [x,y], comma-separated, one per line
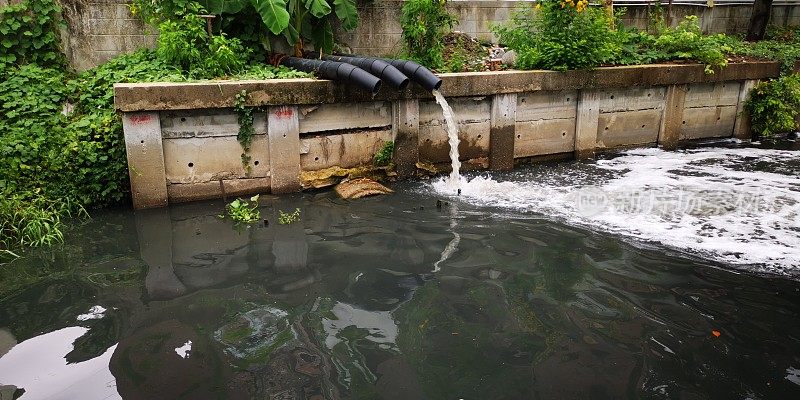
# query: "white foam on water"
[96,312]
[708,201]
[184,350]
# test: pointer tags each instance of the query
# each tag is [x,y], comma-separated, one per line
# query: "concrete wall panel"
[206,123]
[198,160]
[328,117]
[631,99]
[345,150]
[708,122]
[434,146]
[628,128]
[534,106]
[707,94]
[544,136]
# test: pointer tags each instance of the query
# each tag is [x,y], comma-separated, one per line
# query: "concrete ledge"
[131,97]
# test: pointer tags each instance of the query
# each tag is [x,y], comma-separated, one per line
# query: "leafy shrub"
[185,43]
[774,106]
[425,24]
[295,21]
[686,41]
[559,35]
[28,34]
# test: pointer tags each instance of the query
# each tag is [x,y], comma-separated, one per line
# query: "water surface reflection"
[346,304]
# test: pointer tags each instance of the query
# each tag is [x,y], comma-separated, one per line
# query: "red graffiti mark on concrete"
[284,112]
[140,119]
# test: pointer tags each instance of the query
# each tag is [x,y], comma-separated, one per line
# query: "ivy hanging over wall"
[244,116]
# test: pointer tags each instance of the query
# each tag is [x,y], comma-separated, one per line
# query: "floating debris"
[362,187]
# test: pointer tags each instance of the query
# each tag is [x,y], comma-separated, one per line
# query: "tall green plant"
[425,24]
[185,43]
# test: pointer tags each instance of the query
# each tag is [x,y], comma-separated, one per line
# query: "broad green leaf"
[318,8]
[347,13]
[273,13]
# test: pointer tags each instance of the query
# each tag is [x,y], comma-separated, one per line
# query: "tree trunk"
[759,20]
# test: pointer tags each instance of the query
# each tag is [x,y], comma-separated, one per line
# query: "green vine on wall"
[244,116]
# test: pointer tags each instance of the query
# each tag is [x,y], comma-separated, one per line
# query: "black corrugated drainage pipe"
[334,70]
[423,76]
[380,68]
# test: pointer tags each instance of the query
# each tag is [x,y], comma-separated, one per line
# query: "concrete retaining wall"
[181,138]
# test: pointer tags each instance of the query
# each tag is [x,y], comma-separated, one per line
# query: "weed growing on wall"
[384,155]
[425,24]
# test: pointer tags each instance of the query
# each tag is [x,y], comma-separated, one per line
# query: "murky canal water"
[489,296]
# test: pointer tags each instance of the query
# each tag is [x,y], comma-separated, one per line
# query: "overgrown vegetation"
[558,35]
[185,43]
[258,22]
[563,34]
[61,144]
[774,106]
[425,24]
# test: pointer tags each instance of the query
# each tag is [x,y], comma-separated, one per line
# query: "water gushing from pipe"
[452,135]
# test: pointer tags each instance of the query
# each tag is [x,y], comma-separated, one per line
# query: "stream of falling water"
[452,134]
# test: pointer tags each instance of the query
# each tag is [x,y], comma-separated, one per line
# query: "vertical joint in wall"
[502,131]
[741,127]
[283,136]
[405,127]
[145,153]
[586,123]
[672,120]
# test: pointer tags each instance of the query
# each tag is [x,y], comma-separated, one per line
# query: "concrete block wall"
[182,146]
[98,30]
[379,31]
